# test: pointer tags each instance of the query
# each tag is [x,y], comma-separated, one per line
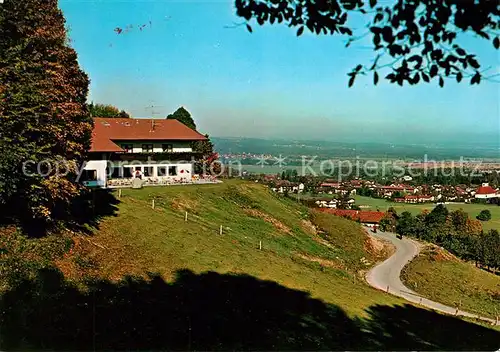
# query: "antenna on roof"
[153,108]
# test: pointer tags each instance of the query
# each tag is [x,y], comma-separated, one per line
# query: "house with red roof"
[365,217]
[154,150]
[486,192]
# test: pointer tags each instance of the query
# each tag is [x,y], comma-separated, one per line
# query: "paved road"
[386,275]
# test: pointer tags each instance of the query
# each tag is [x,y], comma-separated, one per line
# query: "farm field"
[472,209]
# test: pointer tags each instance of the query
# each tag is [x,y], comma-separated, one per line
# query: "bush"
[484,215]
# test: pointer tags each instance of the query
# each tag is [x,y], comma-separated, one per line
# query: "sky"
[265,84]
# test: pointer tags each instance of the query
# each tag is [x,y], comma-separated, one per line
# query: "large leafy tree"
[184,116]
[43,113]
[106,110]
[415,40]
[205,149]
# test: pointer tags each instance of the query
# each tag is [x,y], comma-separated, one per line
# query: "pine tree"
[43,113]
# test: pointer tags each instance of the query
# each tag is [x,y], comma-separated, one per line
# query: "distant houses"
[365,217]
[397,192]
[285,186]
[412,199]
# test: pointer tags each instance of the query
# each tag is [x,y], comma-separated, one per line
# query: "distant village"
[338,197]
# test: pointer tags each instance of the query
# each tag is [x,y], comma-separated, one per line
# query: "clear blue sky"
[265,84]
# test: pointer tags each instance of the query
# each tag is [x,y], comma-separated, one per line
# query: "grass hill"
[279,277]
[316,253]
[442,277]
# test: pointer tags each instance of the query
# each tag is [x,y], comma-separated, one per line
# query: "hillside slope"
[278,278]
[438,275]
[295,252]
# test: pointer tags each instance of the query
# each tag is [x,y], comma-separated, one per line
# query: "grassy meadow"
[440,276]
[295,252]
[279,277]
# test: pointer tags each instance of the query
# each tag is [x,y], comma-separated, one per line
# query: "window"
[172,171]
[162,171]
[89,175]
[167,148]
[147,148]
[148,171]
[127,172]
[128,148]
[116,172]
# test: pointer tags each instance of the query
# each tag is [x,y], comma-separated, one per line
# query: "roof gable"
[108,130]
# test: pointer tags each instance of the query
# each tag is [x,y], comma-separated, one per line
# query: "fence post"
[260,245]
[186,216]
[119,193]
[387,288]
[220,230]
[153,204]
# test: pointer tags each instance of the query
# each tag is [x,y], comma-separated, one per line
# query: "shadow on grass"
[83,214]
[211,311]
[92,206]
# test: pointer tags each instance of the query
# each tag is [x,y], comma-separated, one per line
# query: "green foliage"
[455,232]
[43,113]
[205,149]
[419,37]
[182,115]
[484,215]
[21,257]
[105,110]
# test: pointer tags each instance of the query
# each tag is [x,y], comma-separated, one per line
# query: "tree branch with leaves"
[419,37]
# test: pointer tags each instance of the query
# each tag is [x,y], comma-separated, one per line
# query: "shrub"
[484,215]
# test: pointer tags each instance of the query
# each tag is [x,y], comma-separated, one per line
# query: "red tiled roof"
[486,190]
[330,184]
[363,216]
[107,130]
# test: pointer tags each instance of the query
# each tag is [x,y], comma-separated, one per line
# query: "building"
[412,199]
[365,217]
[486,192]
[158,151]
[326,203]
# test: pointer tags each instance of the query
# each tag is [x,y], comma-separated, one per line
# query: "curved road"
[386,275]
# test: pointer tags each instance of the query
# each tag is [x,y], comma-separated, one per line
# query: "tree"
[406,224]
[208,159]
[43,113]
[484,215]
[415,39]
[438,215]
[182,115]
[459,219]
[104,110]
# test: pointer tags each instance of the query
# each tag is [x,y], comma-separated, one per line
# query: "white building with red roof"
[486,192]
[156,151]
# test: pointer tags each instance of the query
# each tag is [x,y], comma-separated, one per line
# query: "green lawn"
[449,280]
[292,253]
[472,209]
